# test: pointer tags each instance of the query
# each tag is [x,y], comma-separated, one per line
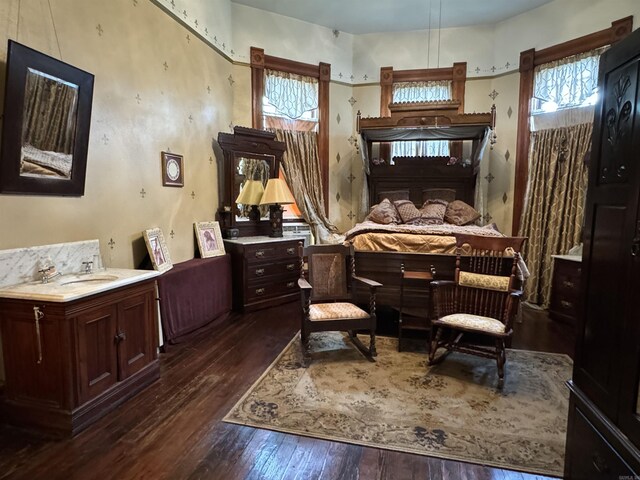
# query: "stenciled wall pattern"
[157,88]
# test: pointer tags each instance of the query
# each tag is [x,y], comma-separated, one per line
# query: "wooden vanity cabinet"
[83,359]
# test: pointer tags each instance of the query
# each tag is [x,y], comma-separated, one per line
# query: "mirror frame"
[19,60]
[252,143]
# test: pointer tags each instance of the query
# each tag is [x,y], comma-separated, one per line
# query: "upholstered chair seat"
[328,297]
[482,300]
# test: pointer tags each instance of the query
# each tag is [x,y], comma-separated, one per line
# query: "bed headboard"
[421,177]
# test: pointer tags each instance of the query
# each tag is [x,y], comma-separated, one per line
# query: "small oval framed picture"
[209,239]
[172,170]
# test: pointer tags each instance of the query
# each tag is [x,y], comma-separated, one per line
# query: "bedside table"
[265,271]
[565,288]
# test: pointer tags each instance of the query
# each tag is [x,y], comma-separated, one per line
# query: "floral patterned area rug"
[451,410]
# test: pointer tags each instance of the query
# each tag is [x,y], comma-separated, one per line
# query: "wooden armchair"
[480,300]
[327,297]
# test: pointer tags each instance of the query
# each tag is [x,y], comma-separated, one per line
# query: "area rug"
[452,410]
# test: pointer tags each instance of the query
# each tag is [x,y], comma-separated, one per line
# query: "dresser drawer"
[590,456]
[271,251]
[565,290]
[260,271]
[272,289]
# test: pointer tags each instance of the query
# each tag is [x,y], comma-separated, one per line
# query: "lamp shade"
[276,192]
[251,193]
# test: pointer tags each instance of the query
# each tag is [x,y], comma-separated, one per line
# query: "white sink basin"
[94,278]
[74,286]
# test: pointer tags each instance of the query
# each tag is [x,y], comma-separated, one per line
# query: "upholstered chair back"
[329,272]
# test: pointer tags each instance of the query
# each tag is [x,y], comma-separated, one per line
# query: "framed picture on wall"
[172,170]
[157,248]
[209,239]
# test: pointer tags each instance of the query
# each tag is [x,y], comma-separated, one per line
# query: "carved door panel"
[135,337]
[98,368]
[607,309]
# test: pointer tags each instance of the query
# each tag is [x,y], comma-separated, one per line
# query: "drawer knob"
[568,284]
[259,291]
[291,266]
[259,253]
[291,284]
[291,250]
[259,272]
[566,304]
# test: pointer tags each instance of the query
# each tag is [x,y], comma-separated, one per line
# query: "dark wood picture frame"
[172,170]
[21,60]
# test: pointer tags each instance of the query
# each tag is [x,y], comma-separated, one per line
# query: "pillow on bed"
[408,211]
[460,213]
[394,195]
[385,212]
[432,212]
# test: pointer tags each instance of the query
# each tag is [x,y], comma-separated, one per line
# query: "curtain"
[283,123]
[429,91]
[50,108]
[292,95]
[554,208]
[301,168]
[422,91]
[567,82]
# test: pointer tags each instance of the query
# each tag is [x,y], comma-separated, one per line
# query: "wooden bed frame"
[418,121]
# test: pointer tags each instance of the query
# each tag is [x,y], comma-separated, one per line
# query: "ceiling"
[374,16]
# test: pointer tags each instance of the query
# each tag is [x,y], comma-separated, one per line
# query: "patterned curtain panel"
[292,95]
[554,208]
[567,82]
[421,92]
[301,168]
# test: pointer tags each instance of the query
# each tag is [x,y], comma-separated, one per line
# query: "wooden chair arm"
[443,297]
[371,283]
[304,285]
[517,294]
[442,283]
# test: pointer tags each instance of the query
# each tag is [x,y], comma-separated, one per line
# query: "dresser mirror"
[251,172]
[250,158]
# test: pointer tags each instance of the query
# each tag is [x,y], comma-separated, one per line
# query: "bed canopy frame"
[420,121]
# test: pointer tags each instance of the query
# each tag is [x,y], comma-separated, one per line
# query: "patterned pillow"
[408,211]
[432,212]
[459,213]
[385,212]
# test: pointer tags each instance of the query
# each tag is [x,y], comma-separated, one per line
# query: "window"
[566,83]
[428,91]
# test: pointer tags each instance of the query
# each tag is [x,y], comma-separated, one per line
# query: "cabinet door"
[136,333]
[98,366]
[607,304]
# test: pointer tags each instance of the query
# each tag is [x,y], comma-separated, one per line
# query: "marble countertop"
[573,258]
[254,240]
[75,286]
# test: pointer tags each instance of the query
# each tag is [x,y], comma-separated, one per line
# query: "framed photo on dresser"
[209,239]
[157,248]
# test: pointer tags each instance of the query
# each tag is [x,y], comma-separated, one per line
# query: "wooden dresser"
[565,288]
[265,271]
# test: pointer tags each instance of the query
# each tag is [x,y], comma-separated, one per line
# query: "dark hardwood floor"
[173,430]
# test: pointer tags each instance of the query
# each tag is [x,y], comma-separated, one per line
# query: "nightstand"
[565,288]
[265,271]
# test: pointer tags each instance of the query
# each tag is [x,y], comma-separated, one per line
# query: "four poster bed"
[382,248]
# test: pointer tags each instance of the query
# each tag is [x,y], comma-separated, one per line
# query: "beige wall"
[140,108]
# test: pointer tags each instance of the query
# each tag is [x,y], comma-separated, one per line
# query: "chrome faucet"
[88,266]
[48,273]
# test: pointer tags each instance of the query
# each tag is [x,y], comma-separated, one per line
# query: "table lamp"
[275,195]
[251,194]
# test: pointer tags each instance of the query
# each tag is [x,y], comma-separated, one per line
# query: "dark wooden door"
[97,363]
[136,337]
[609,305]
